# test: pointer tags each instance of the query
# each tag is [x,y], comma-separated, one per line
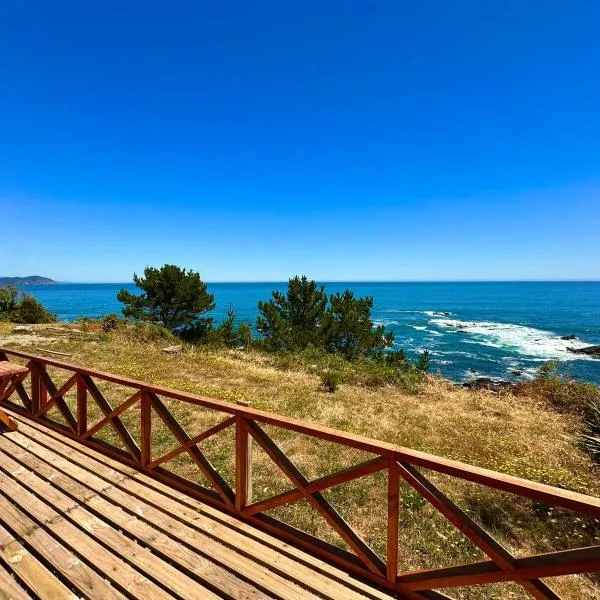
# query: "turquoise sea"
[492,329]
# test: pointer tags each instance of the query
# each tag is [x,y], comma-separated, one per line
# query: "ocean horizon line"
[284,281]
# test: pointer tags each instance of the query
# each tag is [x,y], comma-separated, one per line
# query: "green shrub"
[581,398]
[330,379]
[30,311]
[562,392]
[244,334]
[148,332]
[19,307]
[9,299]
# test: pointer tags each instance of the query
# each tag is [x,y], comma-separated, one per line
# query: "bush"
[19,307]
[147,332]
[562,392]
[330,379]
[244,334]
[9,299]
[581,398]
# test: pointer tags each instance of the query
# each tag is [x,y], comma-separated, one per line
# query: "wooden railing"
[401,464]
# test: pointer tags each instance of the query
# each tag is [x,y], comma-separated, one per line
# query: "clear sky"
[344,140]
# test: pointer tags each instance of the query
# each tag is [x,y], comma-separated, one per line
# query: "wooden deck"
[92,505]
[75,523]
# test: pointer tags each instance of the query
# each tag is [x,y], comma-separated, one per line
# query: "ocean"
[472,329]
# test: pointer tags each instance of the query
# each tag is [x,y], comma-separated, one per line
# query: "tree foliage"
[20,307]
[293,320]
[350,330]
[9,298]
[304,316]
[424,363]
[172,297]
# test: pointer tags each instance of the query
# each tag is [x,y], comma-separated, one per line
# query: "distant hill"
[30,280]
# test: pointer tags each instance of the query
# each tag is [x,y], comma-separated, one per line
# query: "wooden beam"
[64,388]
[146,428]
[318,485]
[81,405]
[393,516]
[553,564]
[47,385]
[318,501]
[192,442]
[112,415]
[107,409]
[476,534]
[219,484]
[243,464]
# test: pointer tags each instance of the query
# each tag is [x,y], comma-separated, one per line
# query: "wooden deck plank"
[306,569]
[180,555]
[163,522]
[81,577]
[9,588]
[151,565]
[31,572]
[112,568]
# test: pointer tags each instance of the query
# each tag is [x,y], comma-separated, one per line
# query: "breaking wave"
[527,341]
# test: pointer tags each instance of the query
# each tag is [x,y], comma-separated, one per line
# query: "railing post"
[81,405]
[243,464]
[43,390]
[36,388]
[146,429]
[393,518]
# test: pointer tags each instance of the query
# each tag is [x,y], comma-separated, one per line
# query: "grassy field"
[520,435]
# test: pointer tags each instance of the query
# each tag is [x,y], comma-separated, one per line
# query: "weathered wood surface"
[73,523]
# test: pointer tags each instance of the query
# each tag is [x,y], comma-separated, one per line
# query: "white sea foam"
[527,341]
[384,322]
[419,327]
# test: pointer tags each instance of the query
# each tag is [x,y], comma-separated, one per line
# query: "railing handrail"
[560,497]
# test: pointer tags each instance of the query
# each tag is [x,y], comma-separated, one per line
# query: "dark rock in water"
[516,373]
[487,383]
[472,370]
[590,350]
[460,331]
[568,337]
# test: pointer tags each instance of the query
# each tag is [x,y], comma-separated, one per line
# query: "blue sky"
[343,140]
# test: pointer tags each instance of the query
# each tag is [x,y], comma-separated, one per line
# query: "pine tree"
[423,364]
[350,329]
[171,296]
[294,320]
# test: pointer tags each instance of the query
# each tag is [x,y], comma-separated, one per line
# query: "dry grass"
[517,435]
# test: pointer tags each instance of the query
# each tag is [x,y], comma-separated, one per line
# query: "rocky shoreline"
[593,351]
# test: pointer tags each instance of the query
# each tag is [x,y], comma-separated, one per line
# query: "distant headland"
[29,280]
